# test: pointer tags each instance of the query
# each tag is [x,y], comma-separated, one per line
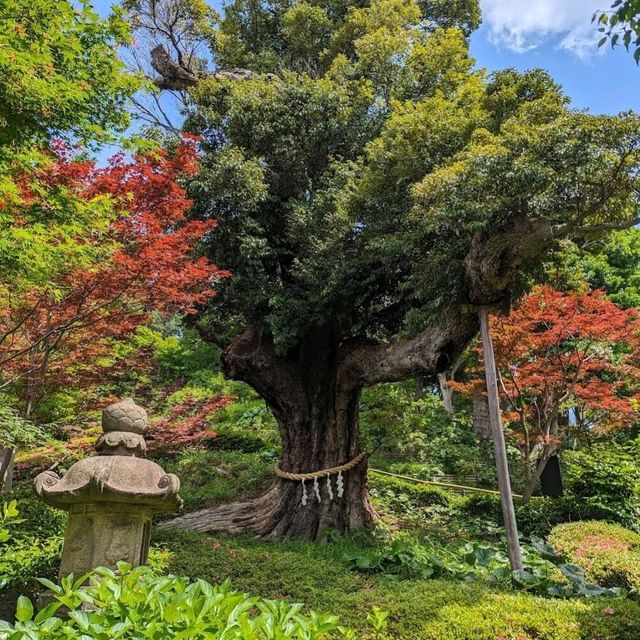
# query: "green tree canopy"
[610,264]
[60,80]
[59,75]
[368,180]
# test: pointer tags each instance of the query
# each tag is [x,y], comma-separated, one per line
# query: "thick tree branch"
[209,334]
[176,76]
[491,264]
[431,352]
[560,230]
[252,358]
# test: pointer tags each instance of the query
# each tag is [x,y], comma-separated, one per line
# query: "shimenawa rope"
[322,473]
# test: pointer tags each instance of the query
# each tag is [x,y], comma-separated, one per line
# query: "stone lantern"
[112,496]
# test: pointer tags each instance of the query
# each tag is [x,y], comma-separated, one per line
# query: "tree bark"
[316,408]
[480,422]
[532,482]
[447,393]
[7,459]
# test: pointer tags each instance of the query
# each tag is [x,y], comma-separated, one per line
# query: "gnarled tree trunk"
[314,395]
[315,404]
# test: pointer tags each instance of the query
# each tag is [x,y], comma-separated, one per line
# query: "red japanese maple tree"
[557,352]
[54,334]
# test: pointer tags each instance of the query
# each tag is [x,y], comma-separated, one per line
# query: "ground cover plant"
[135,603]
[609,553]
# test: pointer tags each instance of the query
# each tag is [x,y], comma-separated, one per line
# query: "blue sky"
[556,35]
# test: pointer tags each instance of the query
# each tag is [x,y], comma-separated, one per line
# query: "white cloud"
[523,25]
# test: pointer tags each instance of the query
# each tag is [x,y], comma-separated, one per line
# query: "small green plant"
[137,603]
[378,619]
[544,572]
[9,512]
[23,556]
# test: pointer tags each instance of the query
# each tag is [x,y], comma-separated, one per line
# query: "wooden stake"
[7,457]
[504,482]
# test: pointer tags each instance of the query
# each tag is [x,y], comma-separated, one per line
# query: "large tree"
[54,335]
[369,181]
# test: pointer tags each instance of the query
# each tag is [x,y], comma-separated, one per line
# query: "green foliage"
[606,476]
[433,609]
[59,74]
[23,556]
[609,553]
[399,497]
[136,603]
[212,477]
[611,264]
[416,436]
[543,571]
[17,432]
[37,520]
[601,482]
[620,25]
[178,352]
[537,517]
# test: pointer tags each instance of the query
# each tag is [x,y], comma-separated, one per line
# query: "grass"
[209,477]
[318,576]
[419,609]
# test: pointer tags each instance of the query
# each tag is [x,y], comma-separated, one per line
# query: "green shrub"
[607,477]
[538,516]
[403,498]
[137,603]
[22,556]
[419,430]
[36,518]
[609,553]
[244,443]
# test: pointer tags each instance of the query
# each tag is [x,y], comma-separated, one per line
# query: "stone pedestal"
[111,497]
[103,535]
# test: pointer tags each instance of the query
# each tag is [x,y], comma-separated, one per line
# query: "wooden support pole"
[504,482]
[7,458]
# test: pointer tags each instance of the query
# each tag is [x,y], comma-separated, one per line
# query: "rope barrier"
[441,484]
[323,473]
[347,466]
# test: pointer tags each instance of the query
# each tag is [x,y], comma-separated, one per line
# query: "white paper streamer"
[316,489]
[340,485]
[305,498]
[329,489]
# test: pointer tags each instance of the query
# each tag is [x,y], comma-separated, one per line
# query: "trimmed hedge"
[608,552]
